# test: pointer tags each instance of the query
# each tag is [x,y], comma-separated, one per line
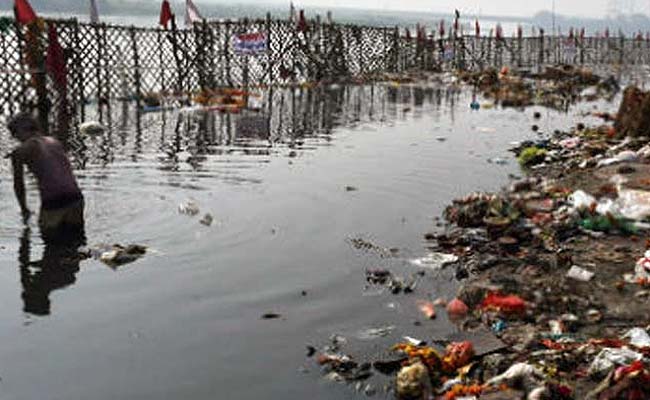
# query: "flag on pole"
[192,14]
[24,12]
[94,13]
[302,22]
[166,14]
[292,12]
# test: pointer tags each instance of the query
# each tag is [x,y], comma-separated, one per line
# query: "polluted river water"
[185,320]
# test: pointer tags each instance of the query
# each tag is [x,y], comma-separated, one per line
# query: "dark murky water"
[184,322]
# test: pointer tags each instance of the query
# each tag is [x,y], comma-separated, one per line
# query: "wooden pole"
[161,61]
[269,58]
[136,62]
[177,59]
[21,54]
[226,50]
[35,49]
[98,68]
[541,48]
[80,73]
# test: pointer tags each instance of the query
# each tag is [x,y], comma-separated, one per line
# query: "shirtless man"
[62,204]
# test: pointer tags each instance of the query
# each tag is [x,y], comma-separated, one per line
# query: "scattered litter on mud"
[555,268]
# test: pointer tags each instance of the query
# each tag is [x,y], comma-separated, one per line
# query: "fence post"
[107,68]
[23,78]
[161,62]
[98,66]
[385,48]
[359,36]
[269,58]
[396,43]
[136,62]
[541,48]
[35,50]
[80,73]
[199,43]
[226,50]
[621,55]
[177,59]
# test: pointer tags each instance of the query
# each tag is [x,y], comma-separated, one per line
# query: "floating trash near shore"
[497,161]
[374,333]
[207,219]
[435,260]
[117,255]
[190,207]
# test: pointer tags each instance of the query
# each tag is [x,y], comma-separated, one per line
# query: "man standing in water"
[62,205]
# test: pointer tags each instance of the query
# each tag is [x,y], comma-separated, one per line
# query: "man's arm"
[19,183]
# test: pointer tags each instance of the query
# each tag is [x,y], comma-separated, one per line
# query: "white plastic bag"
[638,337]
[580,200]
[609,358]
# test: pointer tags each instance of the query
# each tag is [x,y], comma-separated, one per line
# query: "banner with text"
[249,43]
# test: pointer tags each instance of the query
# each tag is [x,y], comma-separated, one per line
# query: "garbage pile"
[555,273]
[555,87]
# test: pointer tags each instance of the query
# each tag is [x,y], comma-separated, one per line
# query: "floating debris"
[190,208]
[118,255]
[207,220]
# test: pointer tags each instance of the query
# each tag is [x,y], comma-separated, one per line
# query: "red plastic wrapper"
[510,304]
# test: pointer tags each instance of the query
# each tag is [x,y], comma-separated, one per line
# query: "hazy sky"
[587,8]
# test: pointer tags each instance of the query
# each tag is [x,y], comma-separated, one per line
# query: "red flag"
[24,12]
[302,22]
[55,59]
[477,28]
[165,13]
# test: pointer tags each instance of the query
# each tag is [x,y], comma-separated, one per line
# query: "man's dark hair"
[23,122]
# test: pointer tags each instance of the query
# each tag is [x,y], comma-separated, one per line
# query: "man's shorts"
[63,225]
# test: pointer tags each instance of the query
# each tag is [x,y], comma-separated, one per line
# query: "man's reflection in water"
[56,270]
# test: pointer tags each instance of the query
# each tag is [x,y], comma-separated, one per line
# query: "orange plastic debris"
[458,355]
[427,355]
[463,391]
[427,308]
[558,346]
[511,304]
[457,309]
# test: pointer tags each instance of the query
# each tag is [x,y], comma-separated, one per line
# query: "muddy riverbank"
[553,273]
